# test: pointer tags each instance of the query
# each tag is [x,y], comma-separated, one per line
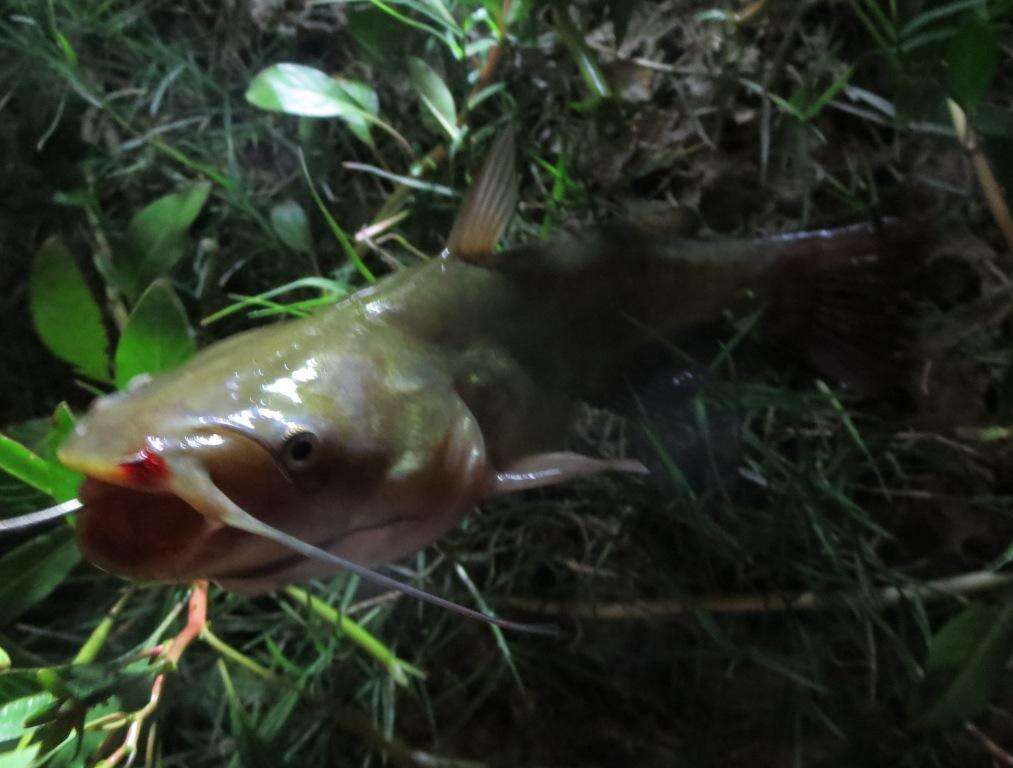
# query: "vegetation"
[814,579]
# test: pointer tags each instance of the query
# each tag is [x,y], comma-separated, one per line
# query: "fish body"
[370,429]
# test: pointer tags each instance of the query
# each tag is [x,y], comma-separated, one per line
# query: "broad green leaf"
[972,61]
[28,463]
[50,477]
[157,336]
[966,661]
[30,572]
[434,94]
[20,757]
[5,660]
[77,749]
[65,482]
[64,311]
[14,714]
[292,227]
[17,683]
[362,94]
[295,89]
[365,97]
[26,466]
[157,238]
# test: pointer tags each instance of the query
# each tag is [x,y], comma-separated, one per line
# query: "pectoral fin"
[488,206]
[545,469]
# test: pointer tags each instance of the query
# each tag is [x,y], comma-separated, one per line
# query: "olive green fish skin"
[418,389]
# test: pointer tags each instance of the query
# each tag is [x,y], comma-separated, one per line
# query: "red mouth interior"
[148,470]
[137,534]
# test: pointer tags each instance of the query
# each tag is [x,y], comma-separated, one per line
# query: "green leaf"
[78,749]
[157,238]
[435,95]
[295,89]
[65,482]
[972,62]
[21,757]
[26,466]
[41,471]
[17,683]
[157,336]
[292,226]
[50,477]
[30,572]
[829,94]
[5,660]
[14,714]
[365,97]
[966,661]
[64,311]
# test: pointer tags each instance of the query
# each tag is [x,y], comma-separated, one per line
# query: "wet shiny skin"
[416,389]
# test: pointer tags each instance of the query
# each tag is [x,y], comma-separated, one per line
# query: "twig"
[750,12]
[954,586]
[990,186]
[196,620]
[997,752]
[197,614]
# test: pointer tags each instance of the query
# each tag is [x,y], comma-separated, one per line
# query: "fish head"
[365,453]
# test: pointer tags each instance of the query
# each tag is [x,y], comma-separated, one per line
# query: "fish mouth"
[155,536]
[144,535]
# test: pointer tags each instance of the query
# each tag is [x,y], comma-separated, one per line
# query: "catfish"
[363,433]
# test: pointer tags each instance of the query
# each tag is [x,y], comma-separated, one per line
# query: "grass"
[807,115]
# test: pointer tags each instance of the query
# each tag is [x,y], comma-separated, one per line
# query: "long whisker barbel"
[41,516]
[13,524]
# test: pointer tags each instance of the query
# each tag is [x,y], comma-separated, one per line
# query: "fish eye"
[300,450]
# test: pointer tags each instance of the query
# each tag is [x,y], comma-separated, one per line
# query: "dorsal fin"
[488,206]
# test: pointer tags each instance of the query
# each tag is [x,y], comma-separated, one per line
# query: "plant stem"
[399,668]
[954,586]
[100,634]
[990,185]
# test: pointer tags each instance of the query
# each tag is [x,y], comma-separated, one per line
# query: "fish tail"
[841,298]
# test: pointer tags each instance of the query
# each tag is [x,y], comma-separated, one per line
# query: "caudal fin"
[841,298]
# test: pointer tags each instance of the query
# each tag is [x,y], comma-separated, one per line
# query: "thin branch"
[954,586]
[990,185]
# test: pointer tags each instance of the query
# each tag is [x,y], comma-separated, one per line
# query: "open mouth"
[149,536]
[156,536]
